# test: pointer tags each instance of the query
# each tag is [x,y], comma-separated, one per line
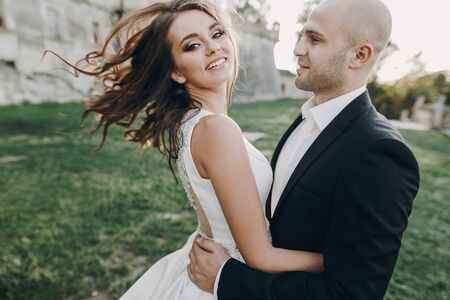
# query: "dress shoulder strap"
[189,122]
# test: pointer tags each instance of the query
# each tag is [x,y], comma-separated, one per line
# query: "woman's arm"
[220,155]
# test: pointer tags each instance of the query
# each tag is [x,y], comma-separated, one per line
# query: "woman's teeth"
[215,64]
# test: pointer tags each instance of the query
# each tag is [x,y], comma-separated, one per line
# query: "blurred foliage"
[392,99]
[391,48]
[385,99]
[310,5]
[253,11]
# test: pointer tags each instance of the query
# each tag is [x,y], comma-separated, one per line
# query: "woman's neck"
[214,101]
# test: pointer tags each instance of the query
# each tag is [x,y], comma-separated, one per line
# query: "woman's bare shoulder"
[218,127]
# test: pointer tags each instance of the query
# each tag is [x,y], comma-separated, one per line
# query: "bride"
[176,69]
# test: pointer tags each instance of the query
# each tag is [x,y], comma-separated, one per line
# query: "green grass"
[73,221]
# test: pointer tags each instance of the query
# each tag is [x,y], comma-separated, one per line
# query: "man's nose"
[300,49]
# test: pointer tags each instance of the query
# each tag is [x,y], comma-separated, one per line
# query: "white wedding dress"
[167,279]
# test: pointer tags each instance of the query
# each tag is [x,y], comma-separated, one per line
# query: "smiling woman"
[178,62]
[203,53]
[159,70]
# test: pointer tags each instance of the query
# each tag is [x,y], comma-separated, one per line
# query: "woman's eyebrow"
[195,34]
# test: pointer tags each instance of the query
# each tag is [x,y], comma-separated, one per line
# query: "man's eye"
[314,40]
[218,34]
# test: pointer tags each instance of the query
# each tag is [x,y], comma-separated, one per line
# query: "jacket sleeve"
[372,201]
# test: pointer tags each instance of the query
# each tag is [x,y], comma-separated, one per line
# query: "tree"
[310,5]
[442,86]
[253,11]
[440,83]
[418,65]
[390,49]
[392,99]
[386,99]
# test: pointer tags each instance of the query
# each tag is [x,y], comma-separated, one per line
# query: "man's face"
[321,53]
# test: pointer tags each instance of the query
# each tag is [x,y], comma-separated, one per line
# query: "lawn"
[74,223]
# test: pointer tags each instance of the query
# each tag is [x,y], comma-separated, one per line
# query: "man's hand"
[206,259]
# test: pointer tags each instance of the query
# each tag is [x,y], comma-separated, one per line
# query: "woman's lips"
[216,63]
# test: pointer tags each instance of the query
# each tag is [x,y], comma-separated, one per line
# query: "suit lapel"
[275,155]
[326,137]
[283,140]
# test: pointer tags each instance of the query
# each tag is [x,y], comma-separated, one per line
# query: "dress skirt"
[167,279]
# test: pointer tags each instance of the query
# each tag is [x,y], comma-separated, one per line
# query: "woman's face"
[203,53]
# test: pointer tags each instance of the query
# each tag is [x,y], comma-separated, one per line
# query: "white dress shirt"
[315,119]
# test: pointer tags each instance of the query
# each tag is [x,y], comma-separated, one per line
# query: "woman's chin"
[219,79]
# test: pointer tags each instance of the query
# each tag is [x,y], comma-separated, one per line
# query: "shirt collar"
[306,109]
[323,114]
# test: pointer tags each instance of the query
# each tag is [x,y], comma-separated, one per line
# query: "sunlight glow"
[418,26]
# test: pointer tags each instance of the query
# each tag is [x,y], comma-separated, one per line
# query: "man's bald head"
[363,21]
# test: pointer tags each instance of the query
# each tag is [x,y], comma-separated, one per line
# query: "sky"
[418,26]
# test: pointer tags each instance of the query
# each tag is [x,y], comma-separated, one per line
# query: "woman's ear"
[362,54]
[178,77]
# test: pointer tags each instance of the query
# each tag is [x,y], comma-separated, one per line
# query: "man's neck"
[321,97]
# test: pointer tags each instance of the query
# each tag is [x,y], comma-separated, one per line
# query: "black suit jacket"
[349,198]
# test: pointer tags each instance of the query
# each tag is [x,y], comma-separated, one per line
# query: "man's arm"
[372,201]
[216,141]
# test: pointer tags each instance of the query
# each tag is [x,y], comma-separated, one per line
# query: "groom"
[344,180]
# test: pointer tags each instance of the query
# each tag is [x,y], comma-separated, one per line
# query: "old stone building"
[28,28]
[74,27]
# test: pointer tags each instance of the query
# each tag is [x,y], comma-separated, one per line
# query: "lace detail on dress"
[182,165]
[185,181]
[232,250]
[231,246]
[201,194]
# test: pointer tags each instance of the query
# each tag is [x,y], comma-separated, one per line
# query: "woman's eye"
[218,34]
[192,46]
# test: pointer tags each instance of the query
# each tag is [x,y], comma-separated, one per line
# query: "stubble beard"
[327,77]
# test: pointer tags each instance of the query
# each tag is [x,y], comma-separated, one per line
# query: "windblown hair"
[136,76]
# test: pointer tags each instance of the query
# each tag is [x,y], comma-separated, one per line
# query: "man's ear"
[178,77]
[362,54]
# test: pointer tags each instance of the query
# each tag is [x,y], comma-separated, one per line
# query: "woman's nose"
[213,47]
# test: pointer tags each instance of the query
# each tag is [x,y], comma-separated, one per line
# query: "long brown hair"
[136,76]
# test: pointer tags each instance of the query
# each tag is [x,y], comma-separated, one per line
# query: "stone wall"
[74,27]
[258,78]
[30,27]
